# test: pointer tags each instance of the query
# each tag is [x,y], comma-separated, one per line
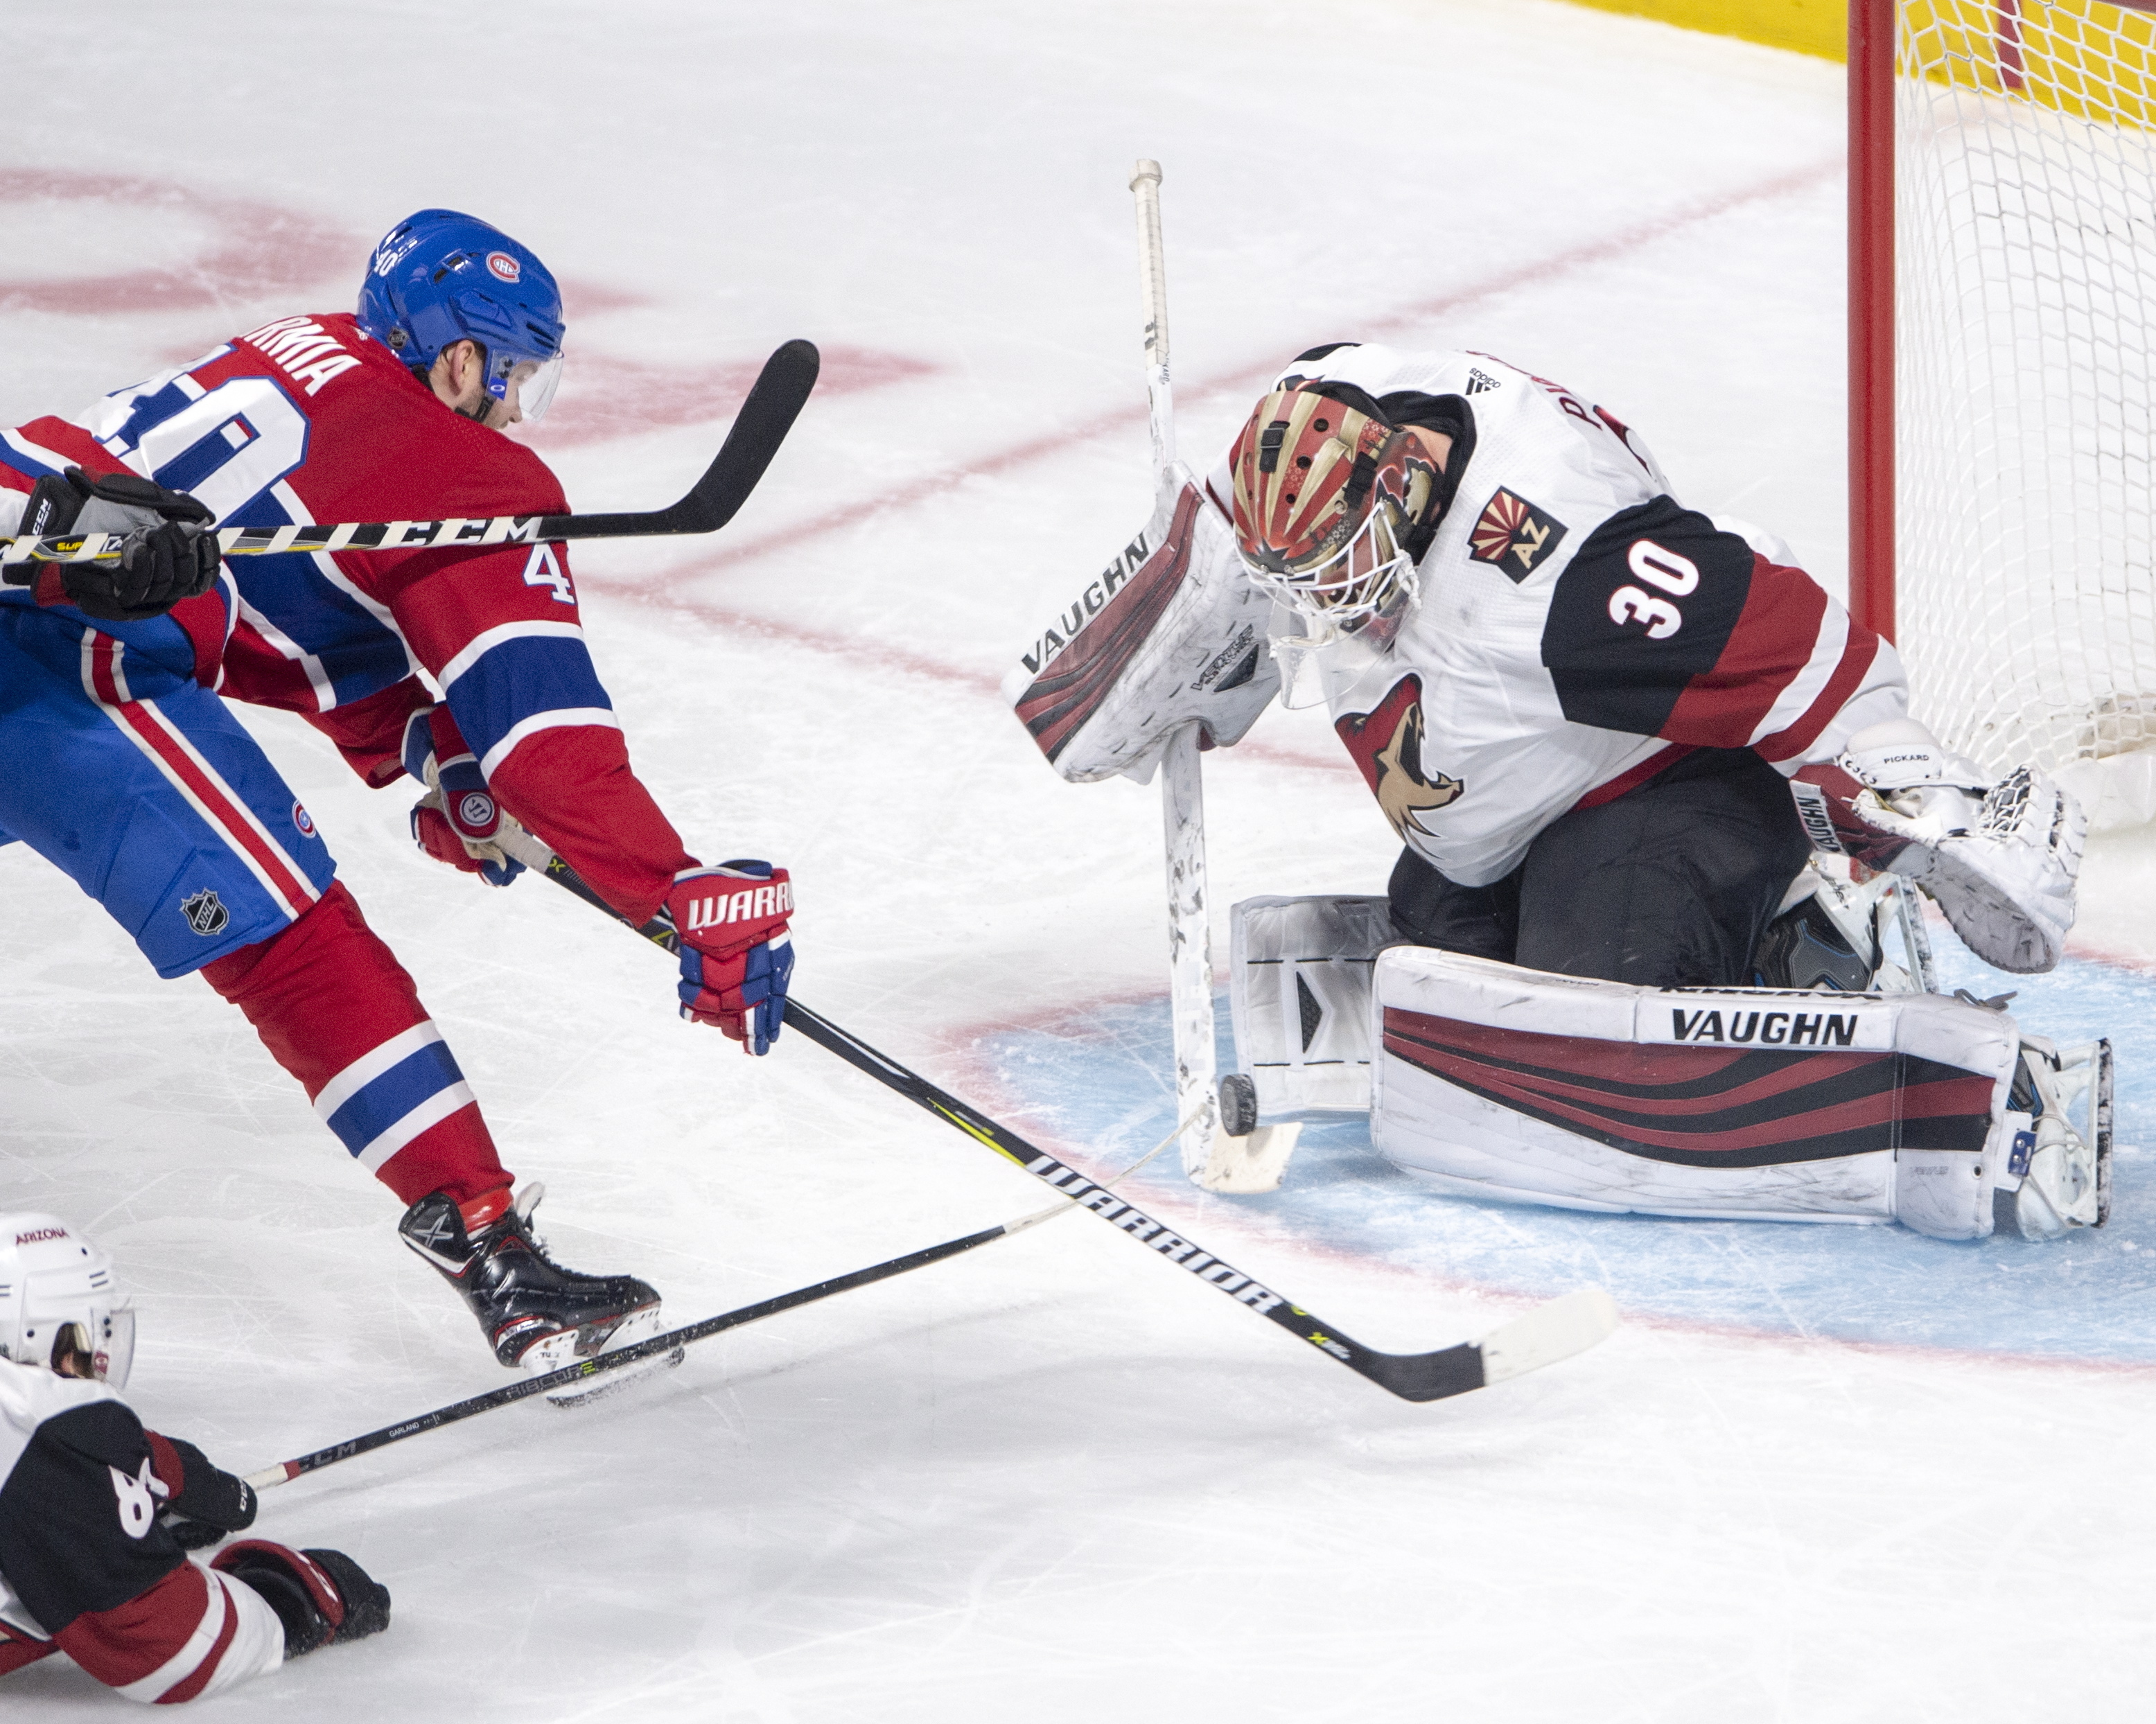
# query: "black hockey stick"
[570,1375]
[1553,1331]
[774,401]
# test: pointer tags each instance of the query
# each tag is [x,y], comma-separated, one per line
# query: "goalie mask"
[57,1298]
[1329,499]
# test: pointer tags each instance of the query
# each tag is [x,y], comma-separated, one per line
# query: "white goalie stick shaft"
[1909,913]
[1182,778]
[1189,943]
[760,425]
[1152,284]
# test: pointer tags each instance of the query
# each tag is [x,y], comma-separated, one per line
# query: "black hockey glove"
[209,1503]
[321,1597]
[169,552]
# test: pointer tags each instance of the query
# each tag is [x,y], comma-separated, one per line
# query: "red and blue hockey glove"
[736,955]
[458,821]
[321,1597]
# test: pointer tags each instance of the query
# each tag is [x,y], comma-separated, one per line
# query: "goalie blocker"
[1170,632]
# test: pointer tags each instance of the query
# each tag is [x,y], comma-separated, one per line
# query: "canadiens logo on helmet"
[504,267]
[206,913]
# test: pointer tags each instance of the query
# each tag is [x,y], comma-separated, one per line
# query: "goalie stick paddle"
[1553,1331]
[774,401]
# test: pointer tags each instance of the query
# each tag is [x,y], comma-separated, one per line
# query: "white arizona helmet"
[52,1279]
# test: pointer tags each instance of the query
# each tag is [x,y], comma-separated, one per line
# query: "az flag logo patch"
[1514,535]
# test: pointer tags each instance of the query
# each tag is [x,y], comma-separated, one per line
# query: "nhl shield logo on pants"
[205,912]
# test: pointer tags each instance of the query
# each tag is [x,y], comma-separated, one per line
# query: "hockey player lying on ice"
[1610,734]
[97,1515]
[124,771]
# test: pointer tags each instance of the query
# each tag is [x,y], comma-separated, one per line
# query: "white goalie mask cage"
[51,1277]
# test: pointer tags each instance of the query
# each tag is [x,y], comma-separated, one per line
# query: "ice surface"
[1822,1475]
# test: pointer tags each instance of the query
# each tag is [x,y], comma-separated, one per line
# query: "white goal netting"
[2025,257]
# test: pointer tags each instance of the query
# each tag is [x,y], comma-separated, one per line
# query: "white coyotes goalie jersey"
[1577,629]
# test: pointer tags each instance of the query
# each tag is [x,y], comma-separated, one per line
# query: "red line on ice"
[1533,273]
[665,589]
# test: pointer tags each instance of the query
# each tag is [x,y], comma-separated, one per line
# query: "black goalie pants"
[1670,885]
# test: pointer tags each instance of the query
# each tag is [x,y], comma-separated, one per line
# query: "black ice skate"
[534,1312]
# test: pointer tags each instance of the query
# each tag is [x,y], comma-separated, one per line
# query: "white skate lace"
[527,1201]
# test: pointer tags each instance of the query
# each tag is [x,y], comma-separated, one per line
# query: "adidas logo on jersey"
[1481,382]
[302,351]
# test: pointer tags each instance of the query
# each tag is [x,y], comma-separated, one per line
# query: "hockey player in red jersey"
[466,668]
[97,1515]
[1609,732]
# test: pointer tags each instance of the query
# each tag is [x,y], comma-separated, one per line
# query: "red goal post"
[2002,376]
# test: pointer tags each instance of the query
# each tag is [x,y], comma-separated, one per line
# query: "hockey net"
[2024,218]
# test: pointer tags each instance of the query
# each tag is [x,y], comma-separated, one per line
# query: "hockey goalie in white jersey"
[1656,791]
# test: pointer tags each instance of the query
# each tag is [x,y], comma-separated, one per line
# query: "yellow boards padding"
[1819,27]
[2082,57]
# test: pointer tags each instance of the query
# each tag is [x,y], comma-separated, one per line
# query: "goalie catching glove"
[736,953]
[168,551]
[458,821]
[2000,860]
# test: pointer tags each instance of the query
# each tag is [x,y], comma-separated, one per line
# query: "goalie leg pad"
[1299,995]
[1743,1103]
[2058,1168]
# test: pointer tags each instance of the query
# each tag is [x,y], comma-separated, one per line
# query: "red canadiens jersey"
[1577,628]
[307,420]
[86,1569]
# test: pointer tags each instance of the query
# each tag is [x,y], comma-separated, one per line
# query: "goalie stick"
[1555,1330]
[1182,778]
[767,413]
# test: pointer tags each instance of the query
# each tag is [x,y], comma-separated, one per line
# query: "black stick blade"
[781,391]
[1426,1377]
[1555,1330]
[774,402]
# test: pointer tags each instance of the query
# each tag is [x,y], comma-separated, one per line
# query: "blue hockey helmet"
[440,277]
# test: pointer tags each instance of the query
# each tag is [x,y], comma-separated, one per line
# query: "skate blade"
[557,1353]
[599,1388]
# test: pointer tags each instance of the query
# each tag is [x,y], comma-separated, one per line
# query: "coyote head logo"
[1387,745]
